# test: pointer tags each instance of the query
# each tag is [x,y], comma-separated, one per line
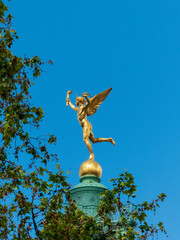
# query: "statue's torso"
[81,116]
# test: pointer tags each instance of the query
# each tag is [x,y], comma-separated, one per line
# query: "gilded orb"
[90,167]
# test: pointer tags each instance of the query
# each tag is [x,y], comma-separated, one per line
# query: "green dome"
[87,194]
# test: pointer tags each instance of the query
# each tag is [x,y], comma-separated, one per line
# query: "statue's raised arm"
[68,102]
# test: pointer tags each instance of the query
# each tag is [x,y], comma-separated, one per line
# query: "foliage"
[32,198]
[132,219]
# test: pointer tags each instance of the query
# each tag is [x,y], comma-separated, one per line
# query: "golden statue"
[83,111]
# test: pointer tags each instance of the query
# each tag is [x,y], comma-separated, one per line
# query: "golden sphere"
[90,167]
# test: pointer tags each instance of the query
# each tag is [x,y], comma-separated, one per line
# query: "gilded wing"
[95,101]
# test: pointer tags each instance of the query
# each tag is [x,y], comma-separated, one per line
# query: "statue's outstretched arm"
[85,95]
[68,102]
[72,106]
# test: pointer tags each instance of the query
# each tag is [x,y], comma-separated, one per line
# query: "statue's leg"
[86,133]
[96,140]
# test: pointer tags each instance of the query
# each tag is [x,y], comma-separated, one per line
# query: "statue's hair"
[80,99]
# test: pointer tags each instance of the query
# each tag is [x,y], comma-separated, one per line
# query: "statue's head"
[80,100]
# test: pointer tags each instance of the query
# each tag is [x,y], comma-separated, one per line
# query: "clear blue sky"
[132,46]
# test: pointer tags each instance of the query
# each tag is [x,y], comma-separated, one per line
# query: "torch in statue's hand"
[67,98]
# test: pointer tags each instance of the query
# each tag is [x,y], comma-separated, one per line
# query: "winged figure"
[86,107]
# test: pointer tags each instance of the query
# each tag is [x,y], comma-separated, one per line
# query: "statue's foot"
[112,141]
[91,156]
